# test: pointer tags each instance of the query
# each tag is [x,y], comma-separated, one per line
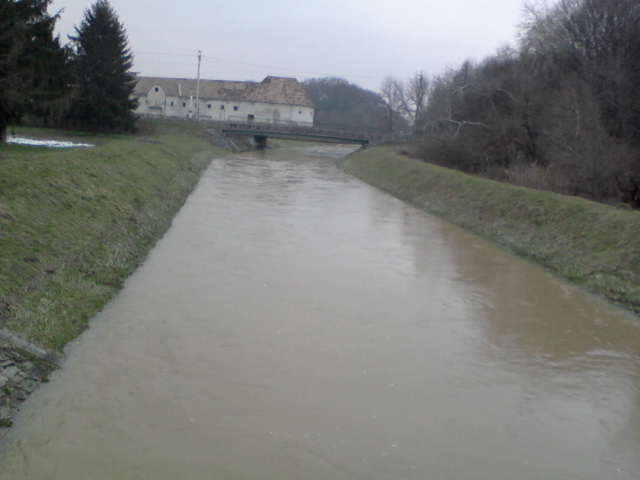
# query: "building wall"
[156,102]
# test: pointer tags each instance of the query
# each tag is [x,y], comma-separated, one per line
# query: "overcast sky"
[363,41]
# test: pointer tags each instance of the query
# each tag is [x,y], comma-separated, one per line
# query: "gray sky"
[363,41]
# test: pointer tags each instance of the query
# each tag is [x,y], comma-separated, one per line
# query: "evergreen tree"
[52,75]
[104,83]
[22,22]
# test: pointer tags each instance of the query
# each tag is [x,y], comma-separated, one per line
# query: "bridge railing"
[364,134]
[315,130]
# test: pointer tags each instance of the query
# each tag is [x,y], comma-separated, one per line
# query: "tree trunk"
[3,131]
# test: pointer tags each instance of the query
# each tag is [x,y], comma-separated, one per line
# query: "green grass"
[593,245]
[74,223]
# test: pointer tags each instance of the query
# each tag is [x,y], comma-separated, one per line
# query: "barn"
[276,100]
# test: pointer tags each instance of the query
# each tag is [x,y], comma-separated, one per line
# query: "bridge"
[288,131]
[262,131]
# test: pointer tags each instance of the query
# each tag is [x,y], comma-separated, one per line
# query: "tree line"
[85,84]
[560,111]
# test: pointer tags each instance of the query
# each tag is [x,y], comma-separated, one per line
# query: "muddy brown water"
[296,323]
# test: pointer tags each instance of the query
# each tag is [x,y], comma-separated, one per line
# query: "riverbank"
[75,223]
[592,245]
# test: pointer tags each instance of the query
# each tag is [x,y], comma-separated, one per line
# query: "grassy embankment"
[593,245]
[74,223]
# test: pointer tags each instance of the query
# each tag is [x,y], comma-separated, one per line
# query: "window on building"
[184,104]
[221,107]
[300,112]
[172,104]
[208,105]
[235,107]
[157,89]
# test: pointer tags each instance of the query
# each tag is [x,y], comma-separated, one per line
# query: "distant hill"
[340,103]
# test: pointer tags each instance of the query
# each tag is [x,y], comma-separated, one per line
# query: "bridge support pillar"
[260,141]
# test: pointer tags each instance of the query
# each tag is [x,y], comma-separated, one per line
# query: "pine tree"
[104,83]
[22,22]
[52,75]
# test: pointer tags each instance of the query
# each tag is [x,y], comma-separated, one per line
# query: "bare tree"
[599,40]
[392,98]
[415,95]
[561,113]
[594,43]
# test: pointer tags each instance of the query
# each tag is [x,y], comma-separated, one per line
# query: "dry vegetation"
[560,112]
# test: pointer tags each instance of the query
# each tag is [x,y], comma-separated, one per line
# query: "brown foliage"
[562,114]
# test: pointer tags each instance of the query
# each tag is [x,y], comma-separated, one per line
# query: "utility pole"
[198,86]
[420,94]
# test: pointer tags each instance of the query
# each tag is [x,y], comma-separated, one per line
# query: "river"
[296,323]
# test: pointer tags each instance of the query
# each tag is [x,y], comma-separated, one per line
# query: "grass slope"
[593,245]
[74,223]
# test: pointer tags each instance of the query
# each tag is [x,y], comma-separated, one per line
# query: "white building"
[274,100]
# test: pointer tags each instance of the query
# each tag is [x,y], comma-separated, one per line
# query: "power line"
[286,69]
[246,64]
[165,54]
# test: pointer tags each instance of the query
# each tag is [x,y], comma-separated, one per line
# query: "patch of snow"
[46,143]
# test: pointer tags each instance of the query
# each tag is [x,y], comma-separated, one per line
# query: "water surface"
[296,323]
